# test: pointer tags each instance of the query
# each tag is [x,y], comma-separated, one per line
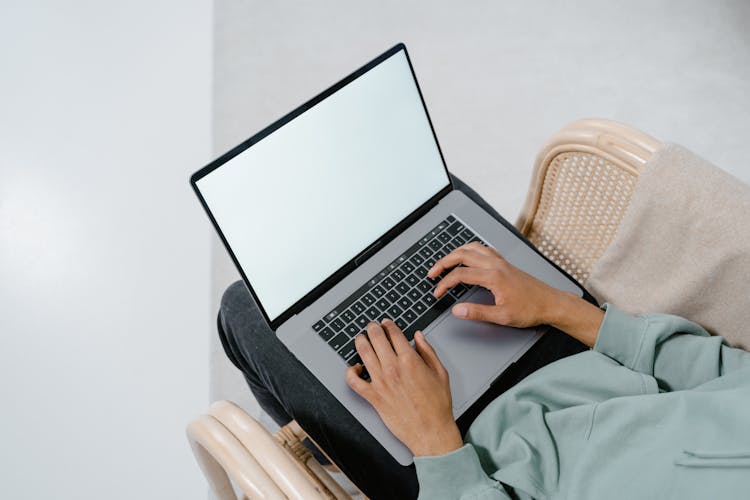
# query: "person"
[656,409]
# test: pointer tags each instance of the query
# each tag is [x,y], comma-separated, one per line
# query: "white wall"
[104,253]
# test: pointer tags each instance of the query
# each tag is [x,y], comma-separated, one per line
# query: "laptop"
[334,213]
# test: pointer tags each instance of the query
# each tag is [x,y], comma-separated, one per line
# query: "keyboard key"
[383,316]
[449,247]
[397,275]
[351,329]
[451,219]
[414,294]
[401,323]
[467,234]
[412,280]
[404,302]
[429,299]
[458,240]
[319,325]
[372,314]
[395,311]
[409,315]
[458,291]
[407,267]
[337,325]
[383,304]
[358,308]
[425,252]
[329,317]
[348,350]
[388,283]
[429,263]
[419,307]
[434,244]
[339,341]
[392,296]
[354,360]
[439,255]
[368,299]
[378,291]
[424,286]
[402,288]
[421,271]
[416,260]
[455,228]
[445,237]
[362,322]
[347,316]
[326,334]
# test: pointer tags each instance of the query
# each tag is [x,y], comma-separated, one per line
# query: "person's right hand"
[520,299]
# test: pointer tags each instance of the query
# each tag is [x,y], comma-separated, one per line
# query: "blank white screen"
[309,197]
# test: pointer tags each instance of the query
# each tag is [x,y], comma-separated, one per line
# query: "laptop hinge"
[359,259]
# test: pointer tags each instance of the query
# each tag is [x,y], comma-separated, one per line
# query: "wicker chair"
[581,186]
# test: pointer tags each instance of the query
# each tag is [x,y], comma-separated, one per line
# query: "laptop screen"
[306,199]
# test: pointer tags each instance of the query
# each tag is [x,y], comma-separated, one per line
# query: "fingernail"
[460,310]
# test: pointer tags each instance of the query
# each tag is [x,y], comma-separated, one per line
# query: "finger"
[478,312]
[381,344]
[397,338]
[428,353]
[358,385]
[468,275]
[468,256]
[366,352]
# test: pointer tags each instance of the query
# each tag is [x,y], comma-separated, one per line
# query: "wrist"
[433,443]
[557,307]
[576,317]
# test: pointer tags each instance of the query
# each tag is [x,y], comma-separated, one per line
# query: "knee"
[243,331]
[236,310]
[240,320]
[236,298]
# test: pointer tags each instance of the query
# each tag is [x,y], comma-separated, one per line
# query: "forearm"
[573,315]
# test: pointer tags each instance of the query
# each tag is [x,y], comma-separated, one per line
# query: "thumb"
[427,353]
[478,312]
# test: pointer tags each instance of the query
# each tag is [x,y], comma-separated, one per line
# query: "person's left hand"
[409,389]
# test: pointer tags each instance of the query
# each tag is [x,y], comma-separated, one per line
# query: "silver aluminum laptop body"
[474,353]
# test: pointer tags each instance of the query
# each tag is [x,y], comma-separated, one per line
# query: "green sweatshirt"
[658,409]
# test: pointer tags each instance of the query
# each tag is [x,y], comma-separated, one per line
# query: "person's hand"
[520,299]
[409,389]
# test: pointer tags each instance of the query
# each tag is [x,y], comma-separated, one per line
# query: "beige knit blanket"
[683,247]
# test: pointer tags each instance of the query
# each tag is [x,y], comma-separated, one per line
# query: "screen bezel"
[371,247]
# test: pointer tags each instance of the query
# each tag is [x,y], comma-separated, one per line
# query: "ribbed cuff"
[452,475]
[620,336]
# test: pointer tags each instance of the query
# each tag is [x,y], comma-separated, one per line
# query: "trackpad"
[475,352]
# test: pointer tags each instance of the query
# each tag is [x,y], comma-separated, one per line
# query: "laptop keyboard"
[401,292]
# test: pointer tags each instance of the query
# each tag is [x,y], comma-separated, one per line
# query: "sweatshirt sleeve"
[678,353]
[457,475]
